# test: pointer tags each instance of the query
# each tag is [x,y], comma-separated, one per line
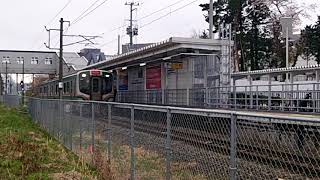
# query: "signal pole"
[130,30]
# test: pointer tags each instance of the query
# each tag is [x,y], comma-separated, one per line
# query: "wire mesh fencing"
[129,141]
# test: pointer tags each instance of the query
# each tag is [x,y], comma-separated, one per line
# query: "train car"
[96,85]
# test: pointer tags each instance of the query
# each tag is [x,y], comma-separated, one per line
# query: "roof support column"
[291,88]
[269,92]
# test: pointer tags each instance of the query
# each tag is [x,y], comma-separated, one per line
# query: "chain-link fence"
[132,141]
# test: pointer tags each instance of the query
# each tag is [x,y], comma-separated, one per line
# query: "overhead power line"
[164,8]
[165,15]
[148,15]
[86,10]
[52,19]
[147,24]
[86,13]
[109,42]
[64,7]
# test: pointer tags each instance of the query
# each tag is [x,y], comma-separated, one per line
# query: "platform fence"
[157,142]
[282,98]
[11,100]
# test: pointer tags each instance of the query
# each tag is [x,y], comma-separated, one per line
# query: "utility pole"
[85,39]
[211,19]
[61,59]
[130,30]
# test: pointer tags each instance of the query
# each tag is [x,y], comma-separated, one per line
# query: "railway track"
[293,162]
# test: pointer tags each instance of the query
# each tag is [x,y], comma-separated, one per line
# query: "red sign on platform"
[153,77]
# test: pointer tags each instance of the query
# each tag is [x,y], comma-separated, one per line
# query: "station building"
[166,72]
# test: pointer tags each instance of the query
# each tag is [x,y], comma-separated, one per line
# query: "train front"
[96,85]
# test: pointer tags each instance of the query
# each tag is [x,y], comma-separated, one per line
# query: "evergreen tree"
[229,11]
[257,36]
[312,34]
[249,20]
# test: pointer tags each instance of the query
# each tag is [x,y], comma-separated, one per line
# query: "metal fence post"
[313,97]
[41,114]
[168,146]
[269,97]
[93,130]
[60,120]
[206,97]
[245,97]
[70,131]
[234,94]
[109,131]
[257,98]
[80,124]
[163,96]
[233,148]
[188,97]
[133,163]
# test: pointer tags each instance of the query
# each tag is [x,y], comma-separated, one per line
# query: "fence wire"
[131,141]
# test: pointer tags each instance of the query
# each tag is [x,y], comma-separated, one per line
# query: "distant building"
[92,55]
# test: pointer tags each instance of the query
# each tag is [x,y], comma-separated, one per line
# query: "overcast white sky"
[22,21]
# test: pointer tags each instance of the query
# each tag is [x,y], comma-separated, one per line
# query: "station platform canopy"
[170,49]
[277,71]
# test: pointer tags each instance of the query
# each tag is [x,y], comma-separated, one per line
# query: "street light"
[286,24]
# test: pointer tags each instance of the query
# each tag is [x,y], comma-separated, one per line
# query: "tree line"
[259,43]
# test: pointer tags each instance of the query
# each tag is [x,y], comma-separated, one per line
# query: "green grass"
[150,165]
[28,152]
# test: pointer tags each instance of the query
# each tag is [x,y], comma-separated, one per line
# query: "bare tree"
[290,8]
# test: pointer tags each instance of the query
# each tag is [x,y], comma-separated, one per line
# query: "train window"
[57,89]
[95,85]
[84,83]
[140,73]
[68,87]
[107,84]
[71,87]
[64,88]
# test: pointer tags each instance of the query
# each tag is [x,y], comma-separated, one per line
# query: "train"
[94,85]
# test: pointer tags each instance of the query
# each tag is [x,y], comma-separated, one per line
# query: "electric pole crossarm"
[80,42]
[83,36]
